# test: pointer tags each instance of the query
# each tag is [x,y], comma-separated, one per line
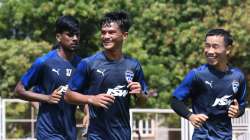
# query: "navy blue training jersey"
[97,74]
[212,92]
[46,74]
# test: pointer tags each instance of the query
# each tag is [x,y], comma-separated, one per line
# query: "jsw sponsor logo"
[223,101]
[117,91]
[63,89]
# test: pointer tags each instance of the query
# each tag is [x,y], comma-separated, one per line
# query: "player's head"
[68,32]
[228,41]
[217,47]
[114,29]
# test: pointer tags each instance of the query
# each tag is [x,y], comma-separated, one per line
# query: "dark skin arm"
[85,121]
[135,89]
[35,105]
[24,94]
[99,100]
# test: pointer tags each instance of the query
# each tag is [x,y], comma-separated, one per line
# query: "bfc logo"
[235,86]
[129,75]
[223,101]
[117,91]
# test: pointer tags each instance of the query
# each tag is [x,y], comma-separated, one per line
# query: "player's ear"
[58,37]
[228,49]
[125,35]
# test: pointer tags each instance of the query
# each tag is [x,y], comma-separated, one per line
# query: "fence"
[8,123]
[147,124]
[155,124]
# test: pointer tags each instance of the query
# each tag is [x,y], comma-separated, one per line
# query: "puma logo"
[209,83]
[101,72]
[56,71]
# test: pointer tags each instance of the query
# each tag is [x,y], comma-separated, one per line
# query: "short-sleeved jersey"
[212,92]
[46,74]
[96,74]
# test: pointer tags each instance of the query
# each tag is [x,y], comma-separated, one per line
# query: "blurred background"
[166,37]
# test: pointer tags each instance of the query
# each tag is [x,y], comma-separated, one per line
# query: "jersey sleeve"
[139,77]
[184,89]
[79,79]
[241,96]
[33,74]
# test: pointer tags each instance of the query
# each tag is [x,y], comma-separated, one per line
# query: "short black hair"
[228,40]
[122,19]
[67,23]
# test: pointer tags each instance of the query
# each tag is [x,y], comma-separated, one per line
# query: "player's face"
[216,52]
[112,36]
[69,41]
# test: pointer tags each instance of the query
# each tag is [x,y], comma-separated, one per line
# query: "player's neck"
[67,55]
[222,67]
[113,54]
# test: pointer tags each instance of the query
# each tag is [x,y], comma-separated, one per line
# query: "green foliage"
[15,58]
[166,36]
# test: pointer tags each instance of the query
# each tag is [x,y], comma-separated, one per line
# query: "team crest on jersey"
[235,86]
[129,75]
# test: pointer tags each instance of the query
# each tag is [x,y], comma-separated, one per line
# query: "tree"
[15,58]
[166,36]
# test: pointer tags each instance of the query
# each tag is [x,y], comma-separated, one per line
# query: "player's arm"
[181,93]
[237,107]
[177,102]
[29,95]
[85,120]
[136,89]
[32,78]
[35,105]
[180,108]
[75,94]
[138,86]
[100,100]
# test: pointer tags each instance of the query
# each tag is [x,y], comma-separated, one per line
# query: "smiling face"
[216,51]
[112,36]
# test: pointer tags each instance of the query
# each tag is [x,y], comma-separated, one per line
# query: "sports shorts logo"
[235,86]
[129,75]
[222,101]
[118,91]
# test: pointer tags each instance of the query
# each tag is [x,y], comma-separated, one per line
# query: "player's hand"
[55,97]
[197,119]
[85,121]
[135,88]
[101,100]
[234,111]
